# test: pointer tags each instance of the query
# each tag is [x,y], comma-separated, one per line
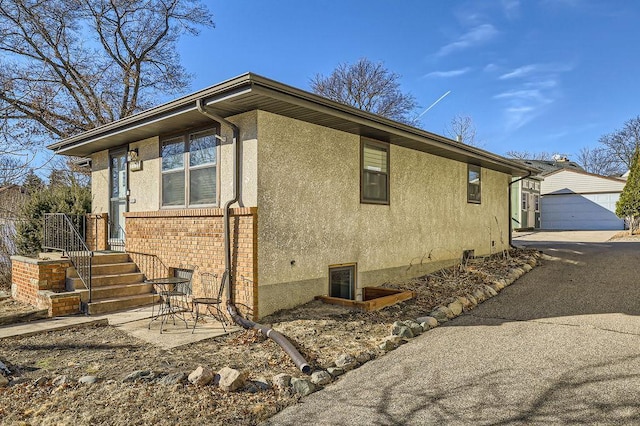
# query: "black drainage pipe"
[282,341]
[269,332]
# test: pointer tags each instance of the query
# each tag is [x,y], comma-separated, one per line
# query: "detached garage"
[577,200]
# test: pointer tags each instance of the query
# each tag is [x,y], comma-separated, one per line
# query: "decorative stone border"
[229,379]
[411,328]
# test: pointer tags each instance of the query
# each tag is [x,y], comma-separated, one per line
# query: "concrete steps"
[120,303]
[116,285]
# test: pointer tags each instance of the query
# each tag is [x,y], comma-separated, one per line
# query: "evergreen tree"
[73,200]
[32,183]
[628,206]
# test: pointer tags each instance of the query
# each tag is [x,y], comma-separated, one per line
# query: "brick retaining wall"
[41,283]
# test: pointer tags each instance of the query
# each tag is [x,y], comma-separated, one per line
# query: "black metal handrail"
[62,233]
[149,264]
[117,237]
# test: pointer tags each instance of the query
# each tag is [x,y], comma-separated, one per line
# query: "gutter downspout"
[510,212]
[290,350]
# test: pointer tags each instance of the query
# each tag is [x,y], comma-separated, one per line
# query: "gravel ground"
[43,386]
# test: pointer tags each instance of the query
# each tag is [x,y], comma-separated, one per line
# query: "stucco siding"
[310,215]
[100,182]
[247,187]
[144,184]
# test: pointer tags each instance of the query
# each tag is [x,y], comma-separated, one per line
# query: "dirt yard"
[45,369]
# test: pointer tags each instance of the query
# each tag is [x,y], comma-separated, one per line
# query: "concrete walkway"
[561,345]
[134,322]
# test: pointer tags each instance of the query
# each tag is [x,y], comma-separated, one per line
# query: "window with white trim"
[525,201]
[190,170]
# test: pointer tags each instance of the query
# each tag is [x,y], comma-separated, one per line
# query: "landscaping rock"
[472,300]
[480,295]
[173,379]
[403,331]
[262,383]
[139,375]
[442,314]
[415,327]
[302,387]
[390,343]
[527,267]
[466,304]
[430,322]
[346,362]
[4,369]
[231,379]
[497,285]
[489,291]
[320,378]
[363,357]
[396,327]
[335,371]
[201,376]
[88,380]
[282,380]
[3,381]
[455,307]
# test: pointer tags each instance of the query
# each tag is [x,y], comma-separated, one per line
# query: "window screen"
[189,170]
[375,173]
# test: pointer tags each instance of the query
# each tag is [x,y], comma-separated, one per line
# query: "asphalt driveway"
[561,345]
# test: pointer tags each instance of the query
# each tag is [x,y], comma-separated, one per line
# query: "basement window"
[342,281]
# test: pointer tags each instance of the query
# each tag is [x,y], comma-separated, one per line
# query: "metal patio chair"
[211,300]
[174,292]
[181,292]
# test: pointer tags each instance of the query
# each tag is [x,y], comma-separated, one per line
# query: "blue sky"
[539,75]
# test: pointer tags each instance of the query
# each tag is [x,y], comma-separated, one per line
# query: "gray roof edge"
[255,82]
[150,113]
[389,124]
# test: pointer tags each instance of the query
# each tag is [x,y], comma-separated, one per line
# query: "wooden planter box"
[375,298]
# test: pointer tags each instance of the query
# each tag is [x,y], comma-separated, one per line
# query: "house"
[525,203]
[578,200]
[288,195]
[525,192]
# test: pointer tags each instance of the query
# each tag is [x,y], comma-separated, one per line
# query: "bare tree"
[71,65]
[368,86]
[622,144]
[599,161]
[526,155]
[462,129]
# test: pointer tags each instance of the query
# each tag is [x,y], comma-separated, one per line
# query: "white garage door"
[580,212]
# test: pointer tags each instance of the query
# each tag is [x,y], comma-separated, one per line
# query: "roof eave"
[235,88]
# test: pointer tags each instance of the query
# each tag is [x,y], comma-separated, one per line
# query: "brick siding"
[195,237]
[97,232]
